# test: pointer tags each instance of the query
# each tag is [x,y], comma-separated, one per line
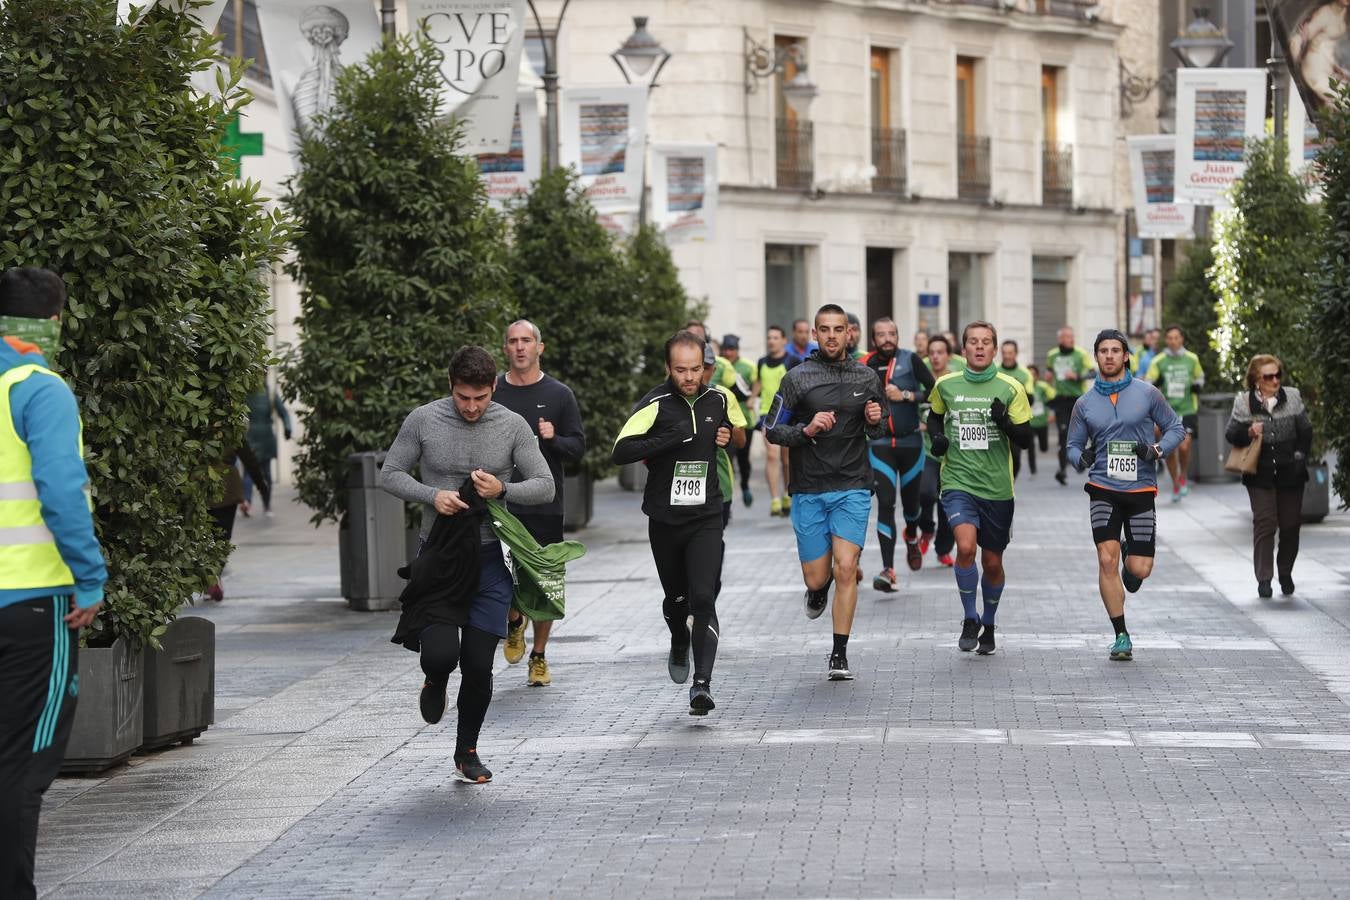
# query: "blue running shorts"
[818,517]
[992,518]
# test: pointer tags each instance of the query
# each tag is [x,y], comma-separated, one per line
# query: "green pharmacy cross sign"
[238,144]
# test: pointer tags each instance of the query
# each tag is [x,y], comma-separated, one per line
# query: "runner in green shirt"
[770,371]
[977,416]
[1178,374]
[1070,366]
[1042,393]
[1009,366]
[744,377]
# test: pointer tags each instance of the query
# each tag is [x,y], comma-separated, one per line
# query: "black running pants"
[39,686]
[929,507]
[743,459]
[471,650]
[896,474]
[1063,407]
[688,558]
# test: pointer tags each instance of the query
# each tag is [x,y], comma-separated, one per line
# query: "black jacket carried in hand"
[443,579]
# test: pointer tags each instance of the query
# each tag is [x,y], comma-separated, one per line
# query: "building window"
[1056,155]
[794,137]
[965,290]
[972,148]
[786,284]
[888,140]
[241,37]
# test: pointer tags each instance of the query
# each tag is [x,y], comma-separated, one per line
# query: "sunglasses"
[1274,377]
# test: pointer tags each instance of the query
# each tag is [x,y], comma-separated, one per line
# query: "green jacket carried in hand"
[537,573]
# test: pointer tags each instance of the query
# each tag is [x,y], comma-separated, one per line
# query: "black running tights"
[1063,407]
[471,650]
[895,471]
[688,559]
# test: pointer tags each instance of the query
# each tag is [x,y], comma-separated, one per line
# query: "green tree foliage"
[1191,303]
[573,283]
[401,261]
[1265,257]
[1329,316]
[662,303]
[110,175]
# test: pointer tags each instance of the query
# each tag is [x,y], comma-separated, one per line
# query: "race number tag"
[1063,366]
[1121,463]
[1037,409]
[972,430]
[689,487]
[1177,381]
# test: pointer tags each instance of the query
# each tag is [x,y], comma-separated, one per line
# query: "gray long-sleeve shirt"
[446,449]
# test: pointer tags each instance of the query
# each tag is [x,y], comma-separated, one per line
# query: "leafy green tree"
[1329,316]
[1266,255]
[662,303]
[572,282]
[110,175]
[1191,304]
[400,262]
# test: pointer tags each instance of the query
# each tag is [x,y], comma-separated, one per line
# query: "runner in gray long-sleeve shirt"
[466,435]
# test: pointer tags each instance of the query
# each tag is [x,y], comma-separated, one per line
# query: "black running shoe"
[1131,581]
[700,699]
[986,647]
[839,668]
[679,661]
[470,769]
[816,601]
[1263,590]
[432,702]
[970,630]
[1286,584]
[1061,477]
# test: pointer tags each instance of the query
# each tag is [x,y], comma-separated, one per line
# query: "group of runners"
[936,433]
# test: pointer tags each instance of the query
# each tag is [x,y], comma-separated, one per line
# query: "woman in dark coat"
[1275,412]
[262,439]
[232,495]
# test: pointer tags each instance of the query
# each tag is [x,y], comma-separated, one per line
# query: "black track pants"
[743,459]
[689,561]
[895,471]
[932,517]
[1063,407]
[39,684]
[471,650]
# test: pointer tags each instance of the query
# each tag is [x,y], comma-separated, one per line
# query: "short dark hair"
[31,293]
[1011,342]
[978,323]
[686,339]
[1032,367]
[833,309]
[473,366]
[853,319]
[796,322]
[939,338]
[692,323]
[1177,329]
[884,320]
[779,329]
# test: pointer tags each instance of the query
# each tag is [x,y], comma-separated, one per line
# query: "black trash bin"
[373,540]
[1211,449]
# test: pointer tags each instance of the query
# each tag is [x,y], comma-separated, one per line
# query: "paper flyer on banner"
[308,44]
[1156,212]
[1218,110]
[604,137]
[509,175]
[480,42]
[684,190]
[1304,142]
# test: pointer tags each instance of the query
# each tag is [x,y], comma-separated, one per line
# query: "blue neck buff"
[1107,388]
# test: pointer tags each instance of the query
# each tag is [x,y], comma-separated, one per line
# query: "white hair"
[533,327]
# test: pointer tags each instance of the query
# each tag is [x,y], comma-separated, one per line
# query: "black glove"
[1149,452]
[1086,458]
[940,444]
[998,414]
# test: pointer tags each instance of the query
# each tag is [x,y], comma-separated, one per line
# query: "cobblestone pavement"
[1217,764]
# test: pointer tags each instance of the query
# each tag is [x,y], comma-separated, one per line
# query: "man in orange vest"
[51,569]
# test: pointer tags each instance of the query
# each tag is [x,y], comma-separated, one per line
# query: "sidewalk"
[1213,765]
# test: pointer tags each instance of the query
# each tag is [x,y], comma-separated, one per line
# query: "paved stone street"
[1217,764]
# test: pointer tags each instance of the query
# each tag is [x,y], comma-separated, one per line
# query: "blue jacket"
[47,419]
[1130,418]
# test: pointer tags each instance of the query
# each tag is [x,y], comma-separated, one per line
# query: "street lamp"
[1203,44]
[636,56]
[762,62]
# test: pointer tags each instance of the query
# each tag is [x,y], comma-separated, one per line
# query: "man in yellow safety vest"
[51,569]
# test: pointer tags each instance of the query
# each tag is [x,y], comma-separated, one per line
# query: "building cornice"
[1016,20]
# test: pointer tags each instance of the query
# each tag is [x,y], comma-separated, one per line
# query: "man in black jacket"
[826,410]
[678,429]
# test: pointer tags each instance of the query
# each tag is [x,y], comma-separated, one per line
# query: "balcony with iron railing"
[1057,175]
[795,156]
[888,158]
[972,167]
[1068,9]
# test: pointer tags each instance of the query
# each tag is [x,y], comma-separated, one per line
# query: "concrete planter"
[633,477]
[180,684]
[578,501]
[109,720]
[1317,493]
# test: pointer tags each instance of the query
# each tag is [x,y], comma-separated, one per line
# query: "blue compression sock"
[966,580]
[991,594]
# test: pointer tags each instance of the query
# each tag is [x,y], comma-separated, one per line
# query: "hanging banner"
[1218,110]
[208,16]
[684,190]
[308,44]
[509,175]
[1156,212]
[1304,142]
[480,42]
[1315,37]
[604,137]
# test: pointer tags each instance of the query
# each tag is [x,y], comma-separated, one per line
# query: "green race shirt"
[746,370]
[1040,403]
[1176,377]
[979,459]
[1078,361]
[725,475]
